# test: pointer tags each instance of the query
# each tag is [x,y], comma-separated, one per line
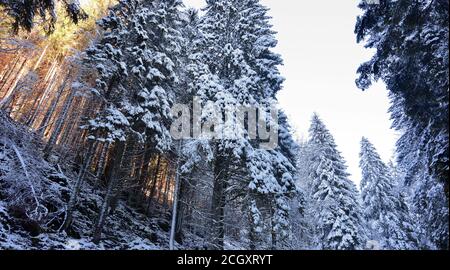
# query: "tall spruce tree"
[430,207]
[412,59]
[234,66]
[136,59]
[338,217]
[411,42]
[386,214]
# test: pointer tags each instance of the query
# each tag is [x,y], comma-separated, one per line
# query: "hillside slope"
[34,194]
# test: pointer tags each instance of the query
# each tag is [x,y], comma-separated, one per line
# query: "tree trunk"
[52,107]
[134,191]
[175,199]
[124,173]
[10,88]
[181,207]
[6,78]
[102,160]
[59,124]
[161,181]
[141,188]
[165,194]
[252,233]
[7,73]
[42,92]
[154,182]
[76,190]
[112,183]
[274,241]
[218,204]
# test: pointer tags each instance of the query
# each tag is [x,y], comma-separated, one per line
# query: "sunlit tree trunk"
[46,86]
[102,160]
[10,87]
[143,181]
[153,184]
[52,108]
[59,122]
[6,77]
[134,193]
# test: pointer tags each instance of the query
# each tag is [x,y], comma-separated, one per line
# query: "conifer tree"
[339,224]
[411,42]
[234,66]
[430,207]
[386,214]
[24,13]
[136,60]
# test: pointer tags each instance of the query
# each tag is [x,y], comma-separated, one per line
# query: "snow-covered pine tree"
[153,45]
[24,13]
[110,124]
[412,58]
[284,164]
[195,80]
[302,217]
[136,59]
[430,207]
[338,220]
[387,217]
[236,67]
[157,67]
[228,72]
[429,203]
[257,41]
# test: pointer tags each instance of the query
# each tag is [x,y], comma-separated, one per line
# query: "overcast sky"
[321,56]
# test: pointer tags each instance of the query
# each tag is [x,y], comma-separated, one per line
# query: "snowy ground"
[24,227]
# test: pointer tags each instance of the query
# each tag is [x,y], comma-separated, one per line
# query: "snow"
[304,197]
[155,73]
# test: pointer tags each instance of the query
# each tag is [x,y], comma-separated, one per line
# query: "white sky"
[321,57]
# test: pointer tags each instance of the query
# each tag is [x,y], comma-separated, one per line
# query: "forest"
[149,125]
